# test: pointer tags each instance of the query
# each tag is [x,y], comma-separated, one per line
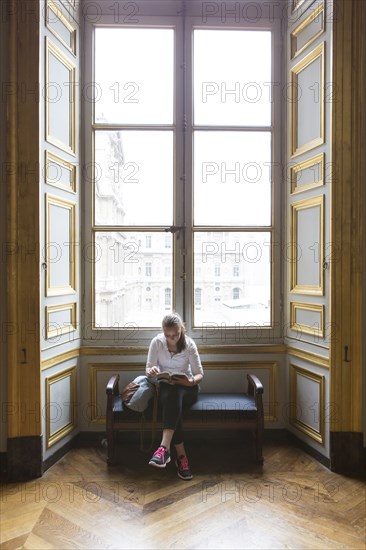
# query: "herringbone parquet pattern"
[290,502]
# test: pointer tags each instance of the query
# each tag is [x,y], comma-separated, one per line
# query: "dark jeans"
[174,399]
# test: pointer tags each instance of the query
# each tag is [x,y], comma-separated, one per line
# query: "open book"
[166,377]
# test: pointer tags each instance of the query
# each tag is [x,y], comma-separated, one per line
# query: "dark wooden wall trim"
[348,455]
[24,458]
[3,467]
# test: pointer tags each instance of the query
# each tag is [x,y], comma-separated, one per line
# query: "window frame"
[183,285]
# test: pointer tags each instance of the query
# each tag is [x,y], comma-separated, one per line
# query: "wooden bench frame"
[256,424]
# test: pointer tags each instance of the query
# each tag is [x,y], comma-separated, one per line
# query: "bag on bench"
[137,394]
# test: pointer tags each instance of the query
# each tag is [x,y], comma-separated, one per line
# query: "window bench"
[212,411]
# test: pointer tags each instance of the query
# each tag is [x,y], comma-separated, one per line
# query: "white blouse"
[187,361]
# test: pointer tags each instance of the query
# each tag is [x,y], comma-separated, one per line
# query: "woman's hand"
[152,371]
[189,382]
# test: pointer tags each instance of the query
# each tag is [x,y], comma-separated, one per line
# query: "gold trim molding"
[317,12]
[302,426]
[61,358]
[77,352]
[52,438]
[51,158]
[65,328]
[70,288]
[317,53]
[203,350]
[317,160]
[307,329]
[52,49]
[57,12]
[296,4]
[309,356]
[316,290]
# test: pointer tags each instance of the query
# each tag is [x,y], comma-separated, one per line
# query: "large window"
[183,192]
[135,173]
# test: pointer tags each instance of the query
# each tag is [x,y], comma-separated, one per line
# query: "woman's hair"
[173,320]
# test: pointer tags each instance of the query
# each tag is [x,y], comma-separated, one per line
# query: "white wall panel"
[308,221]
[60,191]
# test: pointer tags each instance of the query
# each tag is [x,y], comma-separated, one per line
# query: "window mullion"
[180,182]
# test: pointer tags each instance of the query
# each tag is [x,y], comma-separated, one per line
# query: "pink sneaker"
[160,458]
[183,470]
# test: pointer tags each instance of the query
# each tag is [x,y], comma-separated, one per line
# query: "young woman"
[174,352]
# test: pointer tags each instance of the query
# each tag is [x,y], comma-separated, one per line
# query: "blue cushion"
[222,406]
[209,407]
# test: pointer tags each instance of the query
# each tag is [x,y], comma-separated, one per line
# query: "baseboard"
[51,460]
[279,435]
[90,439]
[308,449]
[82,439]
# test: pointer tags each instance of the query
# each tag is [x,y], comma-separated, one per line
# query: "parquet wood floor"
[291,502]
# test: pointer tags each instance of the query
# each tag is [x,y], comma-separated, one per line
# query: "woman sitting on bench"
[173,353]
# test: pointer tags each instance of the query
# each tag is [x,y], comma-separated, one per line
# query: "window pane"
[232,170]
[134,76]
[131,279]
[134,178]
[232,77]
[226,300]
